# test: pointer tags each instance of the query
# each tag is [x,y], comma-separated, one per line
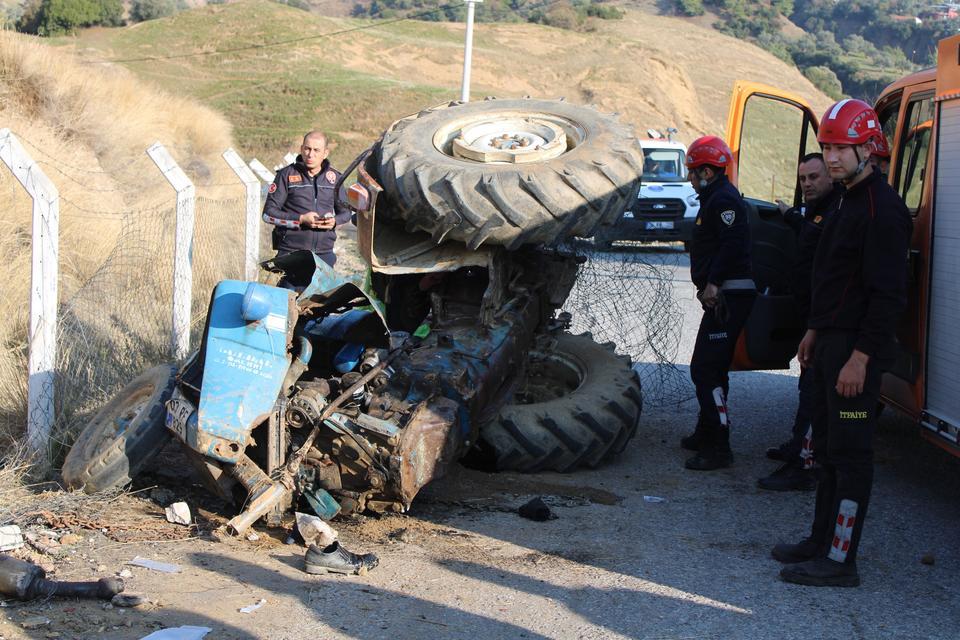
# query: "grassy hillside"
[88,129]
[655,71]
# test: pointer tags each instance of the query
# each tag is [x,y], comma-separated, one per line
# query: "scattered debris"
[34,622]
[43,543]
[403,535]
[125,573]
[146,563]
[927,559]
[25,581]
[10,537]
[250,608]
[654,499]
[179,513]
[252,536]
[179,633]
[536,510]
[127,600]
[315,531]
[70,538]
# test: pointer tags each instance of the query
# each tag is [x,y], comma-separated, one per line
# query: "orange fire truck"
[768,130]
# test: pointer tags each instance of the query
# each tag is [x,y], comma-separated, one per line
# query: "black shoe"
[804,550]
[822,572]
[336,559]
[788,477]
[780,454]
[710,460]
[694,441]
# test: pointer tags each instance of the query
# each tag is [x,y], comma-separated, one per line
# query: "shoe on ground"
[780,453]
[693,441]
[336,559]
[789,477]
[804,550]
[710,460]
[822,572]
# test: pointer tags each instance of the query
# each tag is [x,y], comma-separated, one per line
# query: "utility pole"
[468,51]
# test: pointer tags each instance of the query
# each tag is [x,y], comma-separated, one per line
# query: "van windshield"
[664,165]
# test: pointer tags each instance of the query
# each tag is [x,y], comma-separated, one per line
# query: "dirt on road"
[640,548]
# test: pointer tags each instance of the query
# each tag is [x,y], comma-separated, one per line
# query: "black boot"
[789,477]
[336,559]
[694,441]
[822,572]
[715,452]
[804,550]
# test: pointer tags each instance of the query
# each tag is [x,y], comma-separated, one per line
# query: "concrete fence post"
[42,340]
[265,175]
[262,172]
[183,248]
[252,228]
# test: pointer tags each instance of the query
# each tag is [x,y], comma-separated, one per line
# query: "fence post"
[262,172]
[265,175]
[252,186]
[289,158]
[183,248]
[43,288]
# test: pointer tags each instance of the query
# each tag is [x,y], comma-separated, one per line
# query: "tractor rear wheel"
[578,404]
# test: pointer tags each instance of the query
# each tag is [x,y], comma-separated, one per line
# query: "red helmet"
[880,147]
[709,150]
[849,122]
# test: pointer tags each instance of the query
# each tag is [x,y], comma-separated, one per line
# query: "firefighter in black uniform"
[301,204]
[720,270]
[821,195]
[859,292]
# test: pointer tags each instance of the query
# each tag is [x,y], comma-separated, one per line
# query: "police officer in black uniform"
[720,270]
[302,206]
[820,198]
[859,293]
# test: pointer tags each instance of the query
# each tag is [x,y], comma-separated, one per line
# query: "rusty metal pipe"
[25,581]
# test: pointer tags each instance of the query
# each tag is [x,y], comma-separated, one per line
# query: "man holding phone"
[302,205]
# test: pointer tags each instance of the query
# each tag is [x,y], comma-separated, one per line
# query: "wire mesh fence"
[627,297]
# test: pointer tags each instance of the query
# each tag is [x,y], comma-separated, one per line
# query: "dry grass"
[88,127]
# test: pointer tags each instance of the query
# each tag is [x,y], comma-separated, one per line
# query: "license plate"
[628,214]
[179,410]
[660,224]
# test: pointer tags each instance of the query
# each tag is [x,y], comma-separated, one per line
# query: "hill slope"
[655,71]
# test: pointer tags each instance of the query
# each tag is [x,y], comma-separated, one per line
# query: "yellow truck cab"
[769,130]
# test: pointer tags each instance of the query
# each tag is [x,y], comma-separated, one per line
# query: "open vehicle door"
[768,131]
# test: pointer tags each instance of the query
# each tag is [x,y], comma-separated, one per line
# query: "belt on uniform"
[739,284]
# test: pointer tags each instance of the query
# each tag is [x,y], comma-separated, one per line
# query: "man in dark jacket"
[820,198]
[720,270]
[301,204]
[859,293]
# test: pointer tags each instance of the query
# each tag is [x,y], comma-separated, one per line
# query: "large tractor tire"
[124,435]
[579,403]
[508,172]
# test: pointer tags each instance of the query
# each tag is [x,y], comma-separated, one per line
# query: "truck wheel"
[579,403]
[124,435]
[508,172]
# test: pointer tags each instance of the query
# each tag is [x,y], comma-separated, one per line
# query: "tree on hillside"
[141,10]
[54,17]
[826,80]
